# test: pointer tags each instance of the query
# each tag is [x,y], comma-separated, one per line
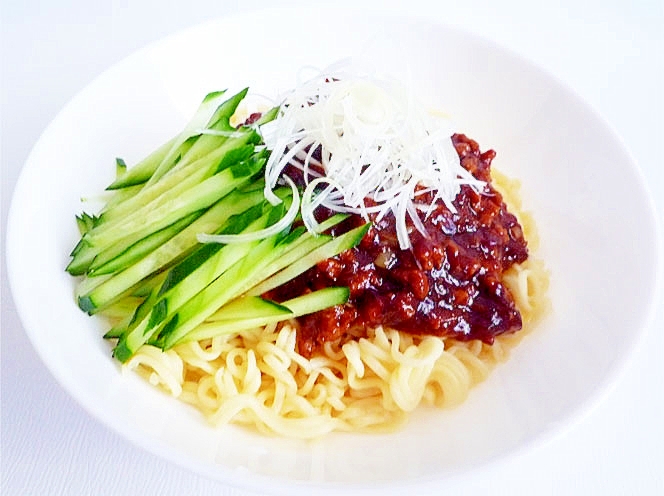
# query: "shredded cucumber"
[139,259]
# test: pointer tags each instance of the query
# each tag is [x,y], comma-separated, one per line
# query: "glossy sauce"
[449,284]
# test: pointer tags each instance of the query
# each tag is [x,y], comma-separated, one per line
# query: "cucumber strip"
[82,255]
[183,282]
[299,243]
[203,266]
[146,203]
[268,116]
[229,285]
[257,266]
[297,248]
[211,329]
[249,312]
[85,222]
[221,118]
[332,221]
[118,329]
[182,178]
[120,195]
[108,290]
[318,300]
[151,218]
[115,332]
[150,293]
[136,289]
[246,307]
[142,171]
[88,284]
[120,167]
[137,176]
[207,262]
[205,111]
[328,250]
[118,256]
[219,122]
[126,310]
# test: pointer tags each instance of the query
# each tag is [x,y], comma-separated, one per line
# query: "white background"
[610,52]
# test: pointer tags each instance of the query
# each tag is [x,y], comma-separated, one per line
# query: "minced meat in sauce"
[448,284]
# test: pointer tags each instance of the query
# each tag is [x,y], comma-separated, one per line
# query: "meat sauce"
[448,284]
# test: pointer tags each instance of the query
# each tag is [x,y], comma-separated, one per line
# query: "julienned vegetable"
[142,260]
[379,151]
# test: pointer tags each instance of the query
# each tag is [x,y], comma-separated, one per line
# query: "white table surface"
[611,52]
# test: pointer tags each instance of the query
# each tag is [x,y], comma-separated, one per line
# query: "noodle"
[257,378]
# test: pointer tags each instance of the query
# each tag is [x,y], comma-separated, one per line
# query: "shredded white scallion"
[375,143]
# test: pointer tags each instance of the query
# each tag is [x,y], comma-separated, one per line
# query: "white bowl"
[586,193]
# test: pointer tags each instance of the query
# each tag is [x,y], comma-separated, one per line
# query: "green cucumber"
[109,290]
[229,285]
[248,312]
[193,148]
[162,307]
[143,264]
[318,300]
[119,256]
[159,214]
[120,195]
[221,118]
[206,143]
[147,293]
[193,274]
[85,222]
[261,263]
[246,307]
[150,219]
[328,250]
[257,315]
[183,178]
[120,167]
[201,117]
[143,170]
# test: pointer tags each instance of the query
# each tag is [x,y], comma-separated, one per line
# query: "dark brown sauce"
[449,284]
